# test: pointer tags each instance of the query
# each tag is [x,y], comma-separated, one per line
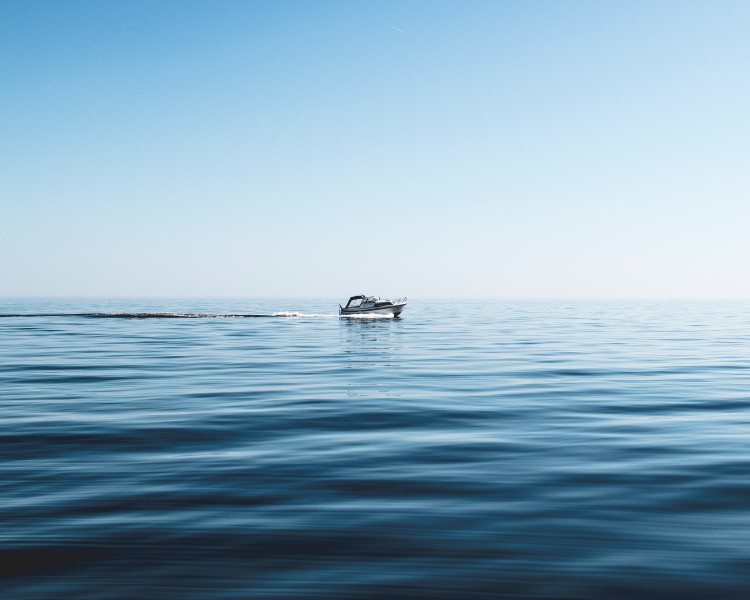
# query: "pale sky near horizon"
[318,149]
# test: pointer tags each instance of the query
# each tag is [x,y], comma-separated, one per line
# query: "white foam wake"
[289,313]
[295,314]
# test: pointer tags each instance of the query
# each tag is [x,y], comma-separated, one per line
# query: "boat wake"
[329,316]
[174,315]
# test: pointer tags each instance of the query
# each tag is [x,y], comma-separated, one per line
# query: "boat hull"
[394,309]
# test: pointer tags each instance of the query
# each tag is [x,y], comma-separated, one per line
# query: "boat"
[369,305]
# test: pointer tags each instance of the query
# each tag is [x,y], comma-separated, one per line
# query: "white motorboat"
[369,305]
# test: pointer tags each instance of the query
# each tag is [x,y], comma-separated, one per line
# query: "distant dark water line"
[148,315]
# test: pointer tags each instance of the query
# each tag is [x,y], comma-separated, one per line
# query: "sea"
[191,449]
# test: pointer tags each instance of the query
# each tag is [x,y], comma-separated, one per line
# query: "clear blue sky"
[469,149]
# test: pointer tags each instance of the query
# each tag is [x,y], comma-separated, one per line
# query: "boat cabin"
[363,301]
[358,301]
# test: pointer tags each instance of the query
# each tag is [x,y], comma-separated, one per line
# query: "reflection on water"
[465,450]
[375,348]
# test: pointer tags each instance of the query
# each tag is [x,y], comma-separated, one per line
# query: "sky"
[509,149]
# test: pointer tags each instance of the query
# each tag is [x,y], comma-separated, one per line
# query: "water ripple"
[469,449]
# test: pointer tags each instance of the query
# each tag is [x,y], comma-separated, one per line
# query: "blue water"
[469,449]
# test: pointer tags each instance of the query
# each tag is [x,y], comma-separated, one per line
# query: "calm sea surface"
[466,450]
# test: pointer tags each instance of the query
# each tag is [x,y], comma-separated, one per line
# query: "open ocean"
[469,449]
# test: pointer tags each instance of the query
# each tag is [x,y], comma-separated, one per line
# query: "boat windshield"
[354,302]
